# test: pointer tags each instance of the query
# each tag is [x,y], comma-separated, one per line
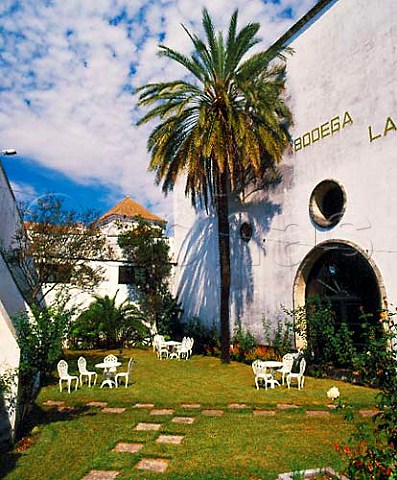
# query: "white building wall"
[345,61]
[110,283]
[12,303]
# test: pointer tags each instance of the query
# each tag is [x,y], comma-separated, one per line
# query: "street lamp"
[9,151]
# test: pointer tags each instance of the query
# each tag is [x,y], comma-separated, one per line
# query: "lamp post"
[8,152]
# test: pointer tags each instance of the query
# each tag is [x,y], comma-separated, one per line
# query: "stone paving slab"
[317,413]
[286,406]
[148,426]
[213,413]
[183,420]
[124,447]
[368,413]
[264,413]
[153,464]
[97,404]
[173,439]
[113,410]
[162,411]
[237,406]
[64,408]
[101,475]
[144,405]
[191,405]
[56,403]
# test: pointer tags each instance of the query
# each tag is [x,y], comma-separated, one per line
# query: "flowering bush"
[333,393]
[369,460]
[372,453]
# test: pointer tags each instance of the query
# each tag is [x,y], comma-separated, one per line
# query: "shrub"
[261,352]
[243,343]
[206,339]
[108,325]
[41,339]
[372,451]
[168,317]
[326,342]
[283,336]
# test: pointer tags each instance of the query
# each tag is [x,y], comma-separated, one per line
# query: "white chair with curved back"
[288,361]
[82,364]
[125,375]
[299,376]
[190,345]
[111,360]
[183,351]
[157,341]
[64,376]
[261,374]
[163,352]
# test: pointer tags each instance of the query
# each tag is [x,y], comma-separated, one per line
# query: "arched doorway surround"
[346,274]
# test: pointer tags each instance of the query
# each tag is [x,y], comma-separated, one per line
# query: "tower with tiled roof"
[129,210]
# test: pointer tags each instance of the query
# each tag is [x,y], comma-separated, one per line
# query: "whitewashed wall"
[345,60]
[12,302]
[110,283]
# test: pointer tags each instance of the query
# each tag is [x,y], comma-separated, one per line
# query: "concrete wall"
[341,89]
[12,303]
[9,362]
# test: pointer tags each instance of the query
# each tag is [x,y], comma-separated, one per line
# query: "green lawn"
[236,445]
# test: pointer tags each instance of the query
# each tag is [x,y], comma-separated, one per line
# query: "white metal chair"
[157,341]
[288,361]
[125,375]
[190,342]
[111,359]
[110,370]
[298,376]
[261,374]
[183,350]
[82,364]
[62,368]
[162,351]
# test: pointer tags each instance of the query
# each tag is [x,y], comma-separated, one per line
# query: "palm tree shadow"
[197,259]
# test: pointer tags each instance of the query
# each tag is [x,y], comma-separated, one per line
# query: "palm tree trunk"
[224,264]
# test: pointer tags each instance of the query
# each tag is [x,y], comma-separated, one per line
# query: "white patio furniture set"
[109,366]
[266,370]
[172,349]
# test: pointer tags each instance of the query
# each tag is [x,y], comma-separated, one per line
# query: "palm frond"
[231,119]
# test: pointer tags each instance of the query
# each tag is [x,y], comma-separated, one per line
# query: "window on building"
[126,274]
[59,273]
[327,203]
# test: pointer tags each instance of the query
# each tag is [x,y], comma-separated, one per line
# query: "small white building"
[118,273]
[12,303]
[330,226]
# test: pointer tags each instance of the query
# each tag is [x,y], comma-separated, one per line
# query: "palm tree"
[225,127]
[107,322]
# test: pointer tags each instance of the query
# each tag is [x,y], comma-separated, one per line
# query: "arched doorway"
[345,275]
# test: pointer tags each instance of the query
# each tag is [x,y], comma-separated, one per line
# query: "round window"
[327,203]
[246,232]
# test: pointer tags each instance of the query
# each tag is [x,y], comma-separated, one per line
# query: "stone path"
[101,475]
[160,465]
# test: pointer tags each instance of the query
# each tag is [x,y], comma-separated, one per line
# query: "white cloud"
[64,69]
[23,192]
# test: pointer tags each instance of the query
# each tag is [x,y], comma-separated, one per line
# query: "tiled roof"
[128,208]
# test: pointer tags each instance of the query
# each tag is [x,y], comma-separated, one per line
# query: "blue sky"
[67,70]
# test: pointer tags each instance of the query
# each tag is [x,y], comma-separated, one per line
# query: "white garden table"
[272,365]
[172,346]
[109,370]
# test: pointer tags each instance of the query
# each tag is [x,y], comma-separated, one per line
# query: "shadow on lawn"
[31,431]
